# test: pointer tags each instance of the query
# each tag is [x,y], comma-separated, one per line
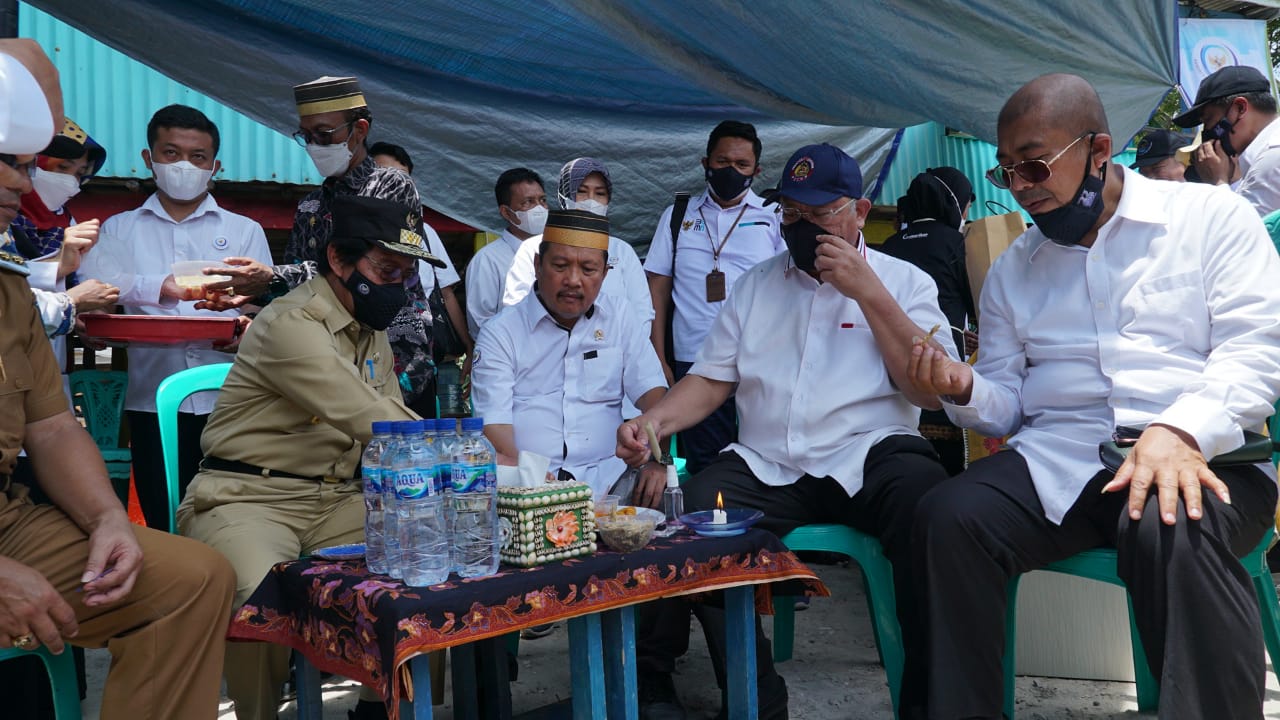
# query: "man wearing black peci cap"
[282,447]
[1158,156]
[815,341]
[1238,112]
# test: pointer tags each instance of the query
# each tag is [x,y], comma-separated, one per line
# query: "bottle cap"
[428,425]
[673,478]
[472,424]
[381,427]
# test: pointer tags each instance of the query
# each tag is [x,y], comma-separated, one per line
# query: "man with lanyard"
[1238,112]
[815,342]
[723,232]
[77,570]
[282,448]
[1134,303]
[553,370]
[522,203]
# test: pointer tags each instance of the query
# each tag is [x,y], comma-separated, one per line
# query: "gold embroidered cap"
[577,228]
[328,94]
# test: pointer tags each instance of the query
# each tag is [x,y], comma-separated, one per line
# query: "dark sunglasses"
[1033,171]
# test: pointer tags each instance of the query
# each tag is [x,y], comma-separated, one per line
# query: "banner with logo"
[1206,46]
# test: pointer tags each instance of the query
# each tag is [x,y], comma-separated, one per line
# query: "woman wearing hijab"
[933,211]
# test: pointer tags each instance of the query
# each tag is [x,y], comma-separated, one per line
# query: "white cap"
[673,480]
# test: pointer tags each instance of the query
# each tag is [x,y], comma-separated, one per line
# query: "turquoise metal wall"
[112,96]
[928,145]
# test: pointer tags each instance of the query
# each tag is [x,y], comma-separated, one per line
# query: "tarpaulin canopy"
[473,87]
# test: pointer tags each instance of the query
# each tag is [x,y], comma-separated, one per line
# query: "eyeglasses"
[1033,171]
[28,167]
[319,137]
[790,214]
[388,272]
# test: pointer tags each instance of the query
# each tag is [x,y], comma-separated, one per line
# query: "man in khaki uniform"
[282,447]
[77,570]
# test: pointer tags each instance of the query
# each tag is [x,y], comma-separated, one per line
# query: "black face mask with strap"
[375,306]
[1067,225]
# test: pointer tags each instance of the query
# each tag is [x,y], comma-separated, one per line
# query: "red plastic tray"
[158,329]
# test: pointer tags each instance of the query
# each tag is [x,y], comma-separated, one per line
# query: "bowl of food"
[625,532]
[189,276]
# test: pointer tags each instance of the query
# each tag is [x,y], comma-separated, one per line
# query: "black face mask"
[1221,131]
[1069,224]
[375,305]
[801,238]
[727,183]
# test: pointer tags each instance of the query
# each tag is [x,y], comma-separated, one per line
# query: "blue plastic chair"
[169,396]
[62,679]
[877,578]
[1100,564]
[100,395]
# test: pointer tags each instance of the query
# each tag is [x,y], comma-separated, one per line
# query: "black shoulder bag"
[677,217]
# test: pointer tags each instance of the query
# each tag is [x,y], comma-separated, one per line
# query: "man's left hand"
[841,264]
[114,561]
[1167,459]
[649,486]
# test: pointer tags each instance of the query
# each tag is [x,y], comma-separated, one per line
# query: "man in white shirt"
[1238,111]
[552,372]
[815,342]
[522,203]
[1131,303]
[585,185]
[725,231]
[136,251]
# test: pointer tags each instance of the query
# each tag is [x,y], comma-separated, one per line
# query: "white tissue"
[530,472]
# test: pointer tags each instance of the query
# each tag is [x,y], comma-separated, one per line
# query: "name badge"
[715,286]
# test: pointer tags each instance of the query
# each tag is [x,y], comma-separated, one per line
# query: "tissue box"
[546,523]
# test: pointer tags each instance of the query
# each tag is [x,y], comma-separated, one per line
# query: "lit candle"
[718,516]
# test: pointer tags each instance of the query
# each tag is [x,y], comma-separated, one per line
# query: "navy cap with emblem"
[817,175]
[1158,145]
[1228,81]
[385,222]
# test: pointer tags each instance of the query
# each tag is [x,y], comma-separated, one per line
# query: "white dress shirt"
[1260,170]
[813,392]
[1173,316]
[487,279]
[26,125]
[145,243]
[562,390]
[447,275]
[755,239]
[625,278]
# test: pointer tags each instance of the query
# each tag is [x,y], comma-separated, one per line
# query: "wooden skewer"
[654,446]
[933,330]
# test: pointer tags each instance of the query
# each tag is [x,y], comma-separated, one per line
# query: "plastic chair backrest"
[62,679]
[101,394]
[169,396]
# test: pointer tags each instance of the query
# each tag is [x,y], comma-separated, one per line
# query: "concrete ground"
[834,674]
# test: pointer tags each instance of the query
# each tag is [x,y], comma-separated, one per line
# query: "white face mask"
[331,160]
[532,221]
[181,180]
[55,189]
[590,205]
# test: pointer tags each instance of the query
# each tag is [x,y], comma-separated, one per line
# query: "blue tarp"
[472,87]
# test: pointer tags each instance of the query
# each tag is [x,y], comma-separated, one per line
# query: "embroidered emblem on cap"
[409,237]
[1144,147]
[802,169]
[363,288]
[220,243]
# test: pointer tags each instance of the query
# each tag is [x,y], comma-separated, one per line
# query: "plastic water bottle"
[473,528]
[390,522]
[420,513]
[672,503]
[446,445]
[375,549]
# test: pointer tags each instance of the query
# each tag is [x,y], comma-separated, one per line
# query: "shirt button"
[1101,305]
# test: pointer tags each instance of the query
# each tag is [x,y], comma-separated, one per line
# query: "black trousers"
[702,443]
[898,472]
[148,462]
[1195,607]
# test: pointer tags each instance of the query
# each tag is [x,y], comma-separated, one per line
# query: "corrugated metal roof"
[928,145]
[113,96]
[1257,9]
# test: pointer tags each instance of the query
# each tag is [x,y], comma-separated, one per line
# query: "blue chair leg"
[1148,686]
[1270,608]
[307,677]
[882,605]
[420,669]
[619,628]
[586,655]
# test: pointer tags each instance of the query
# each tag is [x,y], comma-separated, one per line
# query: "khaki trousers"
[256,522]
[166,638]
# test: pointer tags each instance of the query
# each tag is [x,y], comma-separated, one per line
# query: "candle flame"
[719,501]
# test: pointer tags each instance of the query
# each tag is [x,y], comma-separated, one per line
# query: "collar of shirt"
[514,242]
[706,200]
[535,311]
[153,206]
[1267,138]
[331,312]
[354,179]
[1141,201]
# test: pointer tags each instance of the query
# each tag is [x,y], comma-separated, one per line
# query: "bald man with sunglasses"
[1131,303]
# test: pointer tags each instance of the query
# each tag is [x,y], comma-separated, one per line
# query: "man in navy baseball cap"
[820,194]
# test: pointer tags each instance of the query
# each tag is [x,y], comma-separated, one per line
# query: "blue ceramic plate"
[341,552]
[738,520]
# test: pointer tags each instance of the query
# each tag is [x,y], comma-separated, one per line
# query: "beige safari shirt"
[307,384]
[30,384]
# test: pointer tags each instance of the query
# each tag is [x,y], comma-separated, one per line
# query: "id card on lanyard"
[716,290]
